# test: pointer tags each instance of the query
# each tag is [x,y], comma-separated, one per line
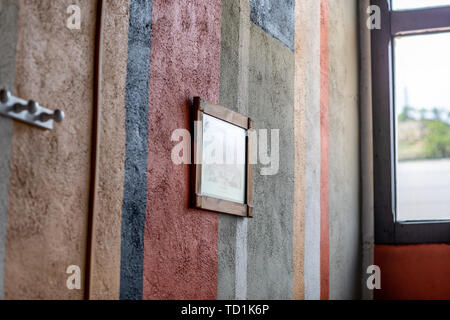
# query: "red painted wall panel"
[180,246]
[413,272]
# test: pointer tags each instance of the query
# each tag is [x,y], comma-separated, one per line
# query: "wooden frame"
[199,201]
[395,23]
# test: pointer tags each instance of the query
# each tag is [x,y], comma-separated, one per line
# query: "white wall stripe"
[241,259]
[242,224]
[311,18]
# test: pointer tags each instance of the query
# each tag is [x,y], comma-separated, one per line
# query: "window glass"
[416,4]
[422,102]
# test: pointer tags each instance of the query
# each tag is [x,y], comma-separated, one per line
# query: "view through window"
[416,4]
[422,100]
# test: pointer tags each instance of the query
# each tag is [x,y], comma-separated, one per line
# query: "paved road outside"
[423,189]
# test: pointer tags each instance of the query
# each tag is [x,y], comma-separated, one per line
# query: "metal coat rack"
[28,111]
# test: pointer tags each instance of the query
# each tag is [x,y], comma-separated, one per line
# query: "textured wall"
[328,64]
[276,18]
[8,39]
[272,61]
[257,79]
[300,104]
[324,150]
[49,183]
[345,248]
[313,156]
[271,106]
[366,148]
[419,272]
[230,61]
[106,234]
[180,251]
[135,186]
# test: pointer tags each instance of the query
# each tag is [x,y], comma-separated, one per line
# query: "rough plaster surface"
[50,169]
[300,150]
[8,40]
[276,18]
[324,151]
[241,262]
[180,251]
[345,249]
[135,186]
[229,91]
[271,106]
[366,147]
[232,236]
[48,194]
[105,264]
[312,176]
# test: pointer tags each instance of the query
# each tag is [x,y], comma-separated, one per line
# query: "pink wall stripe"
[180,245]
[324,134]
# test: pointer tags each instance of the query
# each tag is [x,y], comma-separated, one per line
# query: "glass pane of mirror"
[422,103]
[223,162]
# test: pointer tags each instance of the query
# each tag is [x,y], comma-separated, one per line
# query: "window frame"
[396,23]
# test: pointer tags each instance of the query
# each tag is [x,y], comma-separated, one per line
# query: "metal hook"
[31,107]
[57,116]
[13,107]
[5,95]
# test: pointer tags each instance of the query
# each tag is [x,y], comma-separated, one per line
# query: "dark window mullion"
[383,128]
[420,21]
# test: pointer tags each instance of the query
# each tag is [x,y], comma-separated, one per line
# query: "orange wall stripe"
[324,133]
[300,151]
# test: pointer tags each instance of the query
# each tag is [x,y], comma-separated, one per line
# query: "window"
[422,104]
[411,121]
[416,4]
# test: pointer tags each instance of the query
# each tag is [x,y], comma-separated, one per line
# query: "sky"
[422,70]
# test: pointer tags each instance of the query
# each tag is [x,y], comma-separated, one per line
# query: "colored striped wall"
[276,63]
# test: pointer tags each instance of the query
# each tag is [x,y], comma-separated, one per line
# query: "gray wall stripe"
[242,224]
[276,18]
[271,106]
[136,153]
[229,92]
[232,235]
[241,242]
[8,40]
[345,231]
